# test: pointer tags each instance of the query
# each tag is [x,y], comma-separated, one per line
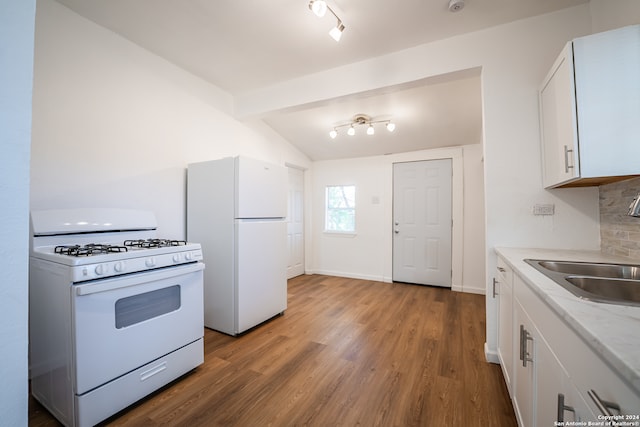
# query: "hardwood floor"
[345,353]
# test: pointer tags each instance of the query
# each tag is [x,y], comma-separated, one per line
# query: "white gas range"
[115,312]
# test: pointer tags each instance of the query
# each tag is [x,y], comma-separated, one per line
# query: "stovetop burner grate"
[100,248]
[88,249]
[154,243]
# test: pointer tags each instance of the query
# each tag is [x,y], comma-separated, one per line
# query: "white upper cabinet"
[590,110]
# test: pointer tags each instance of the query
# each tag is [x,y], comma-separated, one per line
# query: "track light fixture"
[319,8]
[361,120]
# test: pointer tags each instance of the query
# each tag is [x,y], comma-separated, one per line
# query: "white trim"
[470,290]
[491,356]
[294,166]
[351,275]
[340,233]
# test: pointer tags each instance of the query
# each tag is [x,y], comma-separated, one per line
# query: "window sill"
[339,233]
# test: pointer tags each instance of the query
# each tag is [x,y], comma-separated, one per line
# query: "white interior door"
[295,224]
[422,222]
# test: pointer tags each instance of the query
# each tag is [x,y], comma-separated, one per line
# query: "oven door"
[122,323]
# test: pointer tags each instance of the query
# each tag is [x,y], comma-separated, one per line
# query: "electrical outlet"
[543,209]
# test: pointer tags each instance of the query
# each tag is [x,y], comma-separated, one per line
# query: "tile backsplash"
[619,233]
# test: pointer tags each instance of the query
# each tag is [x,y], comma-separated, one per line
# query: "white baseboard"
[386,279]
[352,275]
[472,290]
[491,356]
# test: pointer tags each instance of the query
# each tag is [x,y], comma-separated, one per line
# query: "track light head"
[336,32]
[370,130]
[318,7]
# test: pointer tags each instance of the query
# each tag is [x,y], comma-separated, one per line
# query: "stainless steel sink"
[617,271]
[614,289]
[609,283]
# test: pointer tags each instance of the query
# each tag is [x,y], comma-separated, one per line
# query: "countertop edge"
[581,315]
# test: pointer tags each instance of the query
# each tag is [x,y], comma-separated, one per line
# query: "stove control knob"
[188,256]
[150,262]
[100,269]
[176,258]
[119,266]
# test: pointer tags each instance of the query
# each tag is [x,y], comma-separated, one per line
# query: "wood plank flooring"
[346,352]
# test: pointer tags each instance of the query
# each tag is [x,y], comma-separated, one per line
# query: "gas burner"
[88,249]
[154,243]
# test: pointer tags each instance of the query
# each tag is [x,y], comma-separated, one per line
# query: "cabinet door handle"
[603,406]
[567,166]
[562,407]
[521,342]
[501,269]
[494,288]
[525,356]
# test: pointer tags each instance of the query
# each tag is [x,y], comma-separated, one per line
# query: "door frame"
[457,203]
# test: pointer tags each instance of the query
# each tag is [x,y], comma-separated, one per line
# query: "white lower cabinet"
[544,393]
[552,374]
[524,366]
[503,292]
[557,400]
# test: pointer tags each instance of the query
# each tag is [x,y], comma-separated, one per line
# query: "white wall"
[116,126]
[610,14]
[368,253]
[358,255]
[514,58]
[473,267]
[16,72]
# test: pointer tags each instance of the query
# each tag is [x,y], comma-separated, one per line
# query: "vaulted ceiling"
[244,45]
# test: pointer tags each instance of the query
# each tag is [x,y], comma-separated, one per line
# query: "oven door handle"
[136,279]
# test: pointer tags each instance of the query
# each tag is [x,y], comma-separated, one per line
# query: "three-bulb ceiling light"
[319,8]
[361,120]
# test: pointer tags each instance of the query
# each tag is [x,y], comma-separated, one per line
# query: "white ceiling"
[243,45]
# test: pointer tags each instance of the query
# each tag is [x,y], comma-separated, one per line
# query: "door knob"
[396,231]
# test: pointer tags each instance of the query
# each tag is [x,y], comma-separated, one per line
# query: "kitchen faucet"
[634,207]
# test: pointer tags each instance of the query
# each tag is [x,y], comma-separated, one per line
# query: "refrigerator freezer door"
[261,189]
[261,265]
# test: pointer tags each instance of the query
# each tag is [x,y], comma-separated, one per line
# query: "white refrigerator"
[236,209]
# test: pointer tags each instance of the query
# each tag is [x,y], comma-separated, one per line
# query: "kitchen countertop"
[612,331]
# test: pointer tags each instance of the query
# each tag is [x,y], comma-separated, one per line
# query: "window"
[145,306]
[340,215]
